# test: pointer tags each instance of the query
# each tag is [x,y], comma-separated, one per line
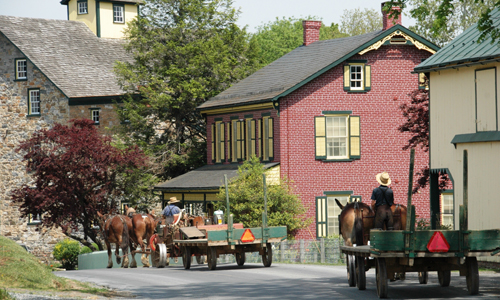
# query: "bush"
[66,252]
[86,249]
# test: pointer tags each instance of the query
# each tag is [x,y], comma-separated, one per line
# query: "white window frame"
[95,116]
[82,7]
[21,69]
[335,134]
[446,199]
[34,102]
[352,72]
[118,13]
[334,212]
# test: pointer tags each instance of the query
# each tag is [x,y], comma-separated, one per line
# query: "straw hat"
[383,178]
[173,200]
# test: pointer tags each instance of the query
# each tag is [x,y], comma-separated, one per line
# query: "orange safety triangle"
[438,243]
[247,236]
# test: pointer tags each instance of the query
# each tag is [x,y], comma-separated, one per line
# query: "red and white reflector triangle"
[438,243]
[247,236]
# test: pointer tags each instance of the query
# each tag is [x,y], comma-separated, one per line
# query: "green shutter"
[354,137]
[354,198]
[321,217]
[259,138]
[347,78]
[368,78]
[212,132]
[242,140]
[320,137]
[270,139]
[252,137]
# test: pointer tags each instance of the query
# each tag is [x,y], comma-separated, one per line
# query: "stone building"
[52,71]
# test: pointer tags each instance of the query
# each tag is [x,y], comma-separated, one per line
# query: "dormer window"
[118,13]
[82,7]
[21,69]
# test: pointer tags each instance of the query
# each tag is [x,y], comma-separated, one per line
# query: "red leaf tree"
[75,171]
[416,113]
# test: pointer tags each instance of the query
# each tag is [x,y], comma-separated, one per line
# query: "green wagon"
[422,251]
[212,241]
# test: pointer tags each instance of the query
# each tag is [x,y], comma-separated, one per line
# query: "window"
[266,138]
[327,212]
[34,102]
[218,141]
[236,139]
[486,100]
[447,209]
[34,219]
[357,76]
[118,13]
[95,115]
[337,136]
[21,69]
[82,7]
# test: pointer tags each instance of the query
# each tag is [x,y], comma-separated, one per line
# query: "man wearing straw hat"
[382,199]
[172,207]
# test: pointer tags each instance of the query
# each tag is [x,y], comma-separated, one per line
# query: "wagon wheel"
[360,272]
[200,259]
[444,278]
[381,275]
[351,270]
[423,277]
[159,256]
[212,258]
[472,276]
[267,255]
[240,258]
[186,257]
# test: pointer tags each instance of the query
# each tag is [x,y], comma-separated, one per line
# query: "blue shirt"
[383,195]
[171,210]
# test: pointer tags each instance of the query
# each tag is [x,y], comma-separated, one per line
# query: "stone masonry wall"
[107,114]
[15,126]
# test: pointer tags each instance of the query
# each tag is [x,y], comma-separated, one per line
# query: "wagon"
[213,240]
[422,251]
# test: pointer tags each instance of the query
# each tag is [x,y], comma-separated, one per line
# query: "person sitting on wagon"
[382,200]
[172,208]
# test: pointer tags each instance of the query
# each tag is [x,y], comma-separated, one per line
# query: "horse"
[357,219]
[142,226]
[115,230]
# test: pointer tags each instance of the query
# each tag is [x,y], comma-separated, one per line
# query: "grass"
[19,270]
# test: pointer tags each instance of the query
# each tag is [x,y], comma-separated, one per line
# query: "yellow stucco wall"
[109,29]
[452,112]
[89,19]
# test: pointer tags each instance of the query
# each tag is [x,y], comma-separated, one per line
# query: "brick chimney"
[311,31]
[388,22]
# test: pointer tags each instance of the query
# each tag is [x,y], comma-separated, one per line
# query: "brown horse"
[143,226]
[357,219]
[115,230]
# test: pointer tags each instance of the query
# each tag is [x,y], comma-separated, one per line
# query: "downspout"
[98,18]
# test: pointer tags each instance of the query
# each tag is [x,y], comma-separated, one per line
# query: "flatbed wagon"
[422,251]
[214,240]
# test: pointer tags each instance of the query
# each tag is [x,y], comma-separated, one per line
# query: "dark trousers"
[383,215]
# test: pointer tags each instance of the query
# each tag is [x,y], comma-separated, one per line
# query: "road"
[280,281]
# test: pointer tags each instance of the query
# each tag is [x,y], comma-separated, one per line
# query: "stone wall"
[107,115]
[16,126]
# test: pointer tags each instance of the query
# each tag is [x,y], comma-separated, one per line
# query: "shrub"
[66,252]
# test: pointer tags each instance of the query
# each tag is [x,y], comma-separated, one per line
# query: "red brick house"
[323,115]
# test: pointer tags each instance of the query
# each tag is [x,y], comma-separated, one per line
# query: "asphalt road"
[280,281]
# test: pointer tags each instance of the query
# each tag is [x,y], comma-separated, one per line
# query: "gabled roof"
[299,67]
[464,49]
[208,177]
[68,53]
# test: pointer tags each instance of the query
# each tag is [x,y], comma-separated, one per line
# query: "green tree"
[246,197]
[184,52]
[276,38]
[442,20]
[356,21]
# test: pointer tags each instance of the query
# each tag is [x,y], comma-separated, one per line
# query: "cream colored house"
[464,115]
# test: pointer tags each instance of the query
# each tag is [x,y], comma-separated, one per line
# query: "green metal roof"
[464,50]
